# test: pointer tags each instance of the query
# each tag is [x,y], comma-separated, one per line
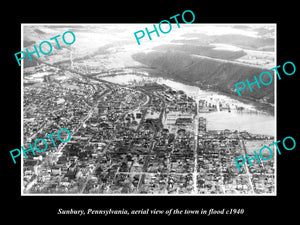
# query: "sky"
[102,34]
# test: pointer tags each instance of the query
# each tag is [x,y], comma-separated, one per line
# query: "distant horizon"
[119,146]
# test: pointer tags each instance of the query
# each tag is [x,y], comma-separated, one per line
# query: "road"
[149,97]
[146,163]
[247,170]
[196,132]
[228,61]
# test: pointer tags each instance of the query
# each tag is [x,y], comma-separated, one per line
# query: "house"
[56,170]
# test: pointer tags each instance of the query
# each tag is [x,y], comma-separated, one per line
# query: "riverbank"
[263,107]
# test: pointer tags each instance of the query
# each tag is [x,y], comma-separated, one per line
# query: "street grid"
[123,154]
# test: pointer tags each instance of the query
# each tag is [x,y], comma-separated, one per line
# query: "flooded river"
[248,118]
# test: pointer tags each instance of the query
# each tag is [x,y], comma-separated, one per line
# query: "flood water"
[248,119]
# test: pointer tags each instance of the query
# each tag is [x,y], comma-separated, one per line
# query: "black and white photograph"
[161,117]
[144,112]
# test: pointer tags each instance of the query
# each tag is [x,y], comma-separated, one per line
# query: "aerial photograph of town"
[159,118]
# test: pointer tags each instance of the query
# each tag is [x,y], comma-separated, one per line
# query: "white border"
[275,108]
[149,195]
[22,103]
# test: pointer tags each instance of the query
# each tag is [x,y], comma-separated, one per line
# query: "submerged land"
[142,137]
